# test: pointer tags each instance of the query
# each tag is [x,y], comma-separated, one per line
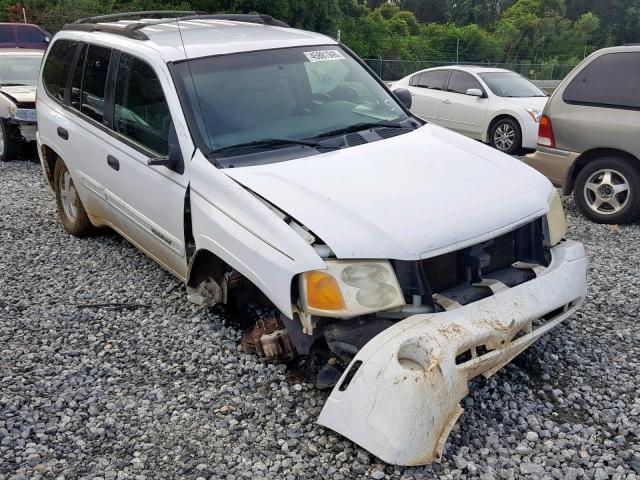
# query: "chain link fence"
[391,70]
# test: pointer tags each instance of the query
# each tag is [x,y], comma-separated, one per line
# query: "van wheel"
[607,190]
[506,136]
[8,147]
[70,210]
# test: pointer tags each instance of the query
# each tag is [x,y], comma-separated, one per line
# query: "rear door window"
[435,80]
[6,34]
[57,66]
[141,113]
[608,81]
[94,82]
[30,35]
[460,82]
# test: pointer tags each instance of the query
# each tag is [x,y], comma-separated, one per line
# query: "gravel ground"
[162,391]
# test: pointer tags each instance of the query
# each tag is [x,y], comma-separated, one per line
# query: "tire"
[607,190]
[506,136]
[9,148]
[70,210]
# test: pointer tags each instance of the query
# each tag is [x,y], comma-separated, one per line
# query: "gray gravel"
[163,391]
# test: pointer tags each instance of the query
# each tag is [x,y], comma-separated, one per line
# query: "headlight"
[556,222]
[23,114]
[350,287]
[535,114]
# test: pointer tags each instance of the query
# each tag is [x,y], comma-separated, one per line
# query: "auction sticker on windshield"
[324,55]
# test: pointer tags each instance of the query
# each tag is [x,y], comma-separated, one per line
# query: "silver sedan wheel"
[68,196]
[1,141]
[504,136]
[606,191]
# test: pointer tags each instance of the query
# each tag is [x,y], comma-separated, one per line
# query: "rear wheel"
[70,210]
[506,136]
[607,190]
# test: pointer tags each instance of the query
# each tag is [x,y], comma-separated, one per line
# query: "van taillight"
[545,133]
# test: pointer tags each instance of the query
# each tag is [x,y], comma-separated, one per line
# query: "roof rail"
[132,30]
[114,17]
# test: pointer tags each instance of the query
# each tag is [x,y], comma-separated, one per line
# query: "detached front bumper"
[401,394]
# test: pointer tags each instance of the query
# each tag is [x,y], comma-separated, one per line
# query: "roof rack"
[114,17]
[132,30]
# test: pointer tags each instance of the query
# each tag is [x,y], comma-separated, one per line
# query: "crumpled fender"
[400,396]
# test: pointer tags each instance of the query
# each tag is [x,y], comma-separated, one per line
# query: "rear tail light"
[545,133]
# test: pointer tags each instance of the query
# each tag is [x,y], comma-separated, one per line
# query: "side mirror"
[173,160]
[404,96]
[47,39]
[475,92]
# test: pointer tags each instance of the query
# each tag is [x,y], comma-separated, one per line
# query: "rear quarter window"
[57,66]
[608,81]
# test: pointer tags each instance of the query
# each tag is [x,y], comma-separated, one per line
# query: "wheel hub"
[605,191]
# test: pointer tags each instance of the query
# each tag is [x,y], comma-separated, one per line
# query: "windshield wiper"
[269,142]
[362,126]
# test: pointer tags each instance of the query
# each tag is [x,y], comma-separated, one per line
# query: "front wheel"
[506,136]
[8,146]
[70,210]
[607,190]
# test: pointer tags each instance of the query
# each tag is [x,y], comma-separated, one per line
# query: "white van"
[252,160]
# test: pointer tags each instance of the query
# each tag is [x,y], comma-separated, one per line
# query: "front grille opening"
[553,313]
[453,274]
[471,353]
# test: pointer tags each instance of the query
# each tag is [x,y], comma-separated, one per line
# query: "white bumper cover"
[403,400]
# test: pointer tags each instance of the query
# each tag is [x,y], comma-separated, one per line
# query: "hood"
[21,94]
[413,196]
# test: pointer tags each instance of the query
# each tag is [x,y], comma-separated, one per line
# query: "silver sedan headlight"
[348,288]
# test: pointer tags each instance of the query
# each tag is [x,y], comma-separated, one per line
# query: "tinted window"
[609,80]
[30,35]
[6,34]
[94,81]
[434,80]
[56,68]
[141,112]
[460,82]
[76,81]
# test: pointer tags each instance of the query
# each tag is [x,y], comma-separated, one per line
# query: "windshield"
[19,70]
[291,93]
[510,84]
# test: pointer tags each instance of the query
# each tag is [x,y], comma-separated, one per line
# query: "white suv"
[261,163]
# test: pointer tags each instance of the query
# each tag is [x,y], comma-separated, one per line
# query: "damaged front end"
[400,395]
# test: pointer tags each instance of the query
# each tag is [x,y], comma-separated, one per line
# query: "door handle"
[447,101]
[63,133]
[113,162]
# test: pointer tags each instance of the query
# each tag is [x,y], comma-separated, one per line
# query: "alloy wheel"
[606,191]
[504,136]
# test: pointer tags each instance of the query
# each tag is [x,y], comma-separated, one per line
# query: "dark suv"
[23,35]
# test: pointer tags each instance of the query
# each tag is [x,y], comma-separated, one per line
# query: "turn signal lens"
[323,292]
